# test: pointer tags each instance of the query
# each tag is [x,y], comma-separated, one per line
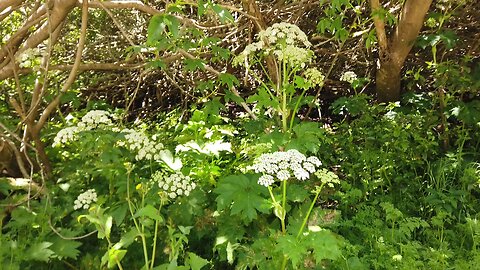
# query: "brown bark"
[394,51]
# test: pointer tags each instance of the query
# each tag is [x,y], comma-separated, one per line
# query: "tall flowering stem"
[317,192]
[290,48]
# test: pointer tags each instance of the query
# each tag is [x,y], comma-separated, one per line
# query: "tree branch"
[379,26]
[73,73]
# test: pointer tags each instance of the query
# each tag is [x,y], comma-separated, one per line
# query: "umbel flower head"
[284,166]
[92,120]
[145,147]
[349,77]
[175,184]
[85,199]
[285,41]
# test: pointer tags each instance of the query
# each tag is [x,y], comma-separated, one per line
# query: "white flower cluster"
[294,56]
[92,120]
[283,166]
[314,76]
[349,77]
[175,184]
[95,119]
[284,33]
[139,142]
[281,39]
[85,199]
[65,135]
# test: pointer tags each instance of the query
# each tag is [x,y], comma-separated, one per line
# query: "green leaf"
[242,195]
[65,248]
[150,212]
[228,79]
[127,239]
[112,256]
[325,245]
[156,29]
[223,14]
[40,251]
[173,25]
[194,64]
[291,247]
[263,99]
[196,262]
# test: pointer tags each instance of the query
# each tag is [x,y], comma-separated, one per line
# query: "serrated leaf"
[194,64]
[291,247]
[242,195]
[65,248]
[40,251]
[228,79]
[324,244]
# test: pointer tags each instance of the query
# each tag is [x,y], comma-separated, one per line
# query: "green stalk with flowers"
[285,93]
[289,47]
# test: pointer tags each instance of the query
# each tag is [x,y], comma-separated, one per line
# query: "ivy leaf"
[65,248]
[40,251]
[242,195]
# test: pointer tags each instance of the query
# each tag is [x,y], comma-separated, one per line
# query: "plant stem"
[284,262]
[142,236]
[309,211]
[284,202]
[154,249]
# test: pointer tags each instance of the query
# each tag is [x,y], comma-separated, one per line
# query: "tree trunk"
[388,79]
[394,51]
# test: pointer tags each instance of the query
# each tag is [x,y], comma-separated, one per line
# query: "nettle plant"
[143,177]
[282,55]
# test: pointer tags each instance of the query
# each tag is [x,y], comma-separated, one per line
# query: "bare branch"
[138,5]
[73,73]
[408,28]
[379,26]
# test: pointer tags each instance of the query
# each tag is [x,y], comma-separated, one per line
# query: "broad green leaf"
[196,262]
[228,79]
[127,239]
[291,247]
[40,251]
[156,29]
[112,257]
[65,248]
[242,195]
[325,245]
[150,212]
